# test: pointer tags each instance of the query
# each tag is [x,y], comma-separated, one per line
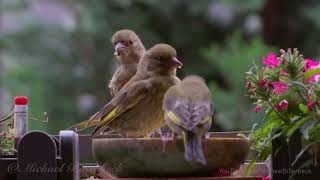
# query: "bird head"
[161,59]
[127,45]
[193,78]
[195,88]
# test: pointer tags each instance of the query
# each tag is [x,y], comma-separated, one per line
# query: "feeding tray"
[156,157]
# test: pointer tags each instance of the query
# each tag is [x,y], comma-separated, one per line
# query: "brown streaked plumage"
[136,110]
[128,51]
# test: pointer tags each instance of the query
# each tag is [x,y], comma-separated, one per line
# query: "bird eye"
[130,42]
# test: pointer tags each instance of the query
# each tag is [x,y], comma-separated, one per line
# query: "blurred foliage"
[244,6]
[59,52]
[233,110]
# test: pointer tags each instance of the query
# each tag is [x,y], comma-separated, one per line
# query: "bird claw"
[173,136]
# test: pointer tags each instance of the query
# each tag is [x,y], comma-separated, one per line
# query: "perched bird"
[188,112]
[128,50]
[136,110]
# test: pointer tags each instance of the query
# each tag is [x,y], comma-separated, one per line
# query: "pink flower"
[266,178]
[283,73]
[282,105]
[311,105]
[271,85]
[311,101]
[262,83]
[310,64]
[280,87]
[314,78]
[257,109]
[272,61]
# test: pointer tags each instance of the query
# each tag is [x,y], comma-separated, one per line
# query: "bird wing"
[201,113]
[188,114]
[127,98]
[84,124]
[92,121]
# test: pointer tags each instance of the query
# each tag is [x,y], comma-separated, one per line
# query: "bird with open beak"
[128,51]
[136,110]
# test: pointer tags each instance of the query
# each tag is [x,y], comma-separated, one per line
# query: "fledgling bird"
[128,51]
[188,112]
[137,110]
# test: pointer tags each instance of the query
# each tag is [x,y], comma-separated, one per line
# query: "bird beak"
[175,63]
[120,48]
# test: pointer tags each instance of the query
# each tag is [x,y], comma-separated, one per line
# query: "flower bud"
[262,83]
[257,109]
[282,105]
[249,85]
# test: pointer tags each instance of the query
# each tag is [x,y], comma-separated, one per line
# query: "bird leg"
[205,141]
[154,134]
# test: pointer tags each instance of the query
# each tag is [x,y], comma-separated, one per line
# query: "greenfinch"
[136,110]
[128,51]
[188,112]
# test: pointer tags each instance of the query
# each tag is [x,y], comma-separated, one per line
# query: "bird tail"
[198,151]
[193,148]
[84,125]
[93,121]
[188,146]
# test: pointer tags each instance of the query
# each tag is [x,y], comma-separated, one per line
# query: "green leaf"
[275,136]
[251,166]
[265,153]
[296,126]
[301,153]
[314,133]
[311,72]
[303,108]
[295,119]
[307,127]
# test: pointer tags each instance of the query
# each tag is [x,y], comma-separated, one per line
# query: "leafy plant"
[7,142]
[288,89]
[7,131]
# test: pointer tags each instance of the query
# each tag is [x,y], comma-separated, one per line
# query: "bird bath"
[156,157]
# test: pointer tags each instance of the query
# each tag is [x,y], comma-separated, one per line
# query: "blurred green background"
[58,52]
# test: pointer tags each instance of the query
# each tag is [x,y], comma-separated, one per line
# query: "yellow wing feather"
[109,117]
[205,120]
[173,117]
[113,114]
